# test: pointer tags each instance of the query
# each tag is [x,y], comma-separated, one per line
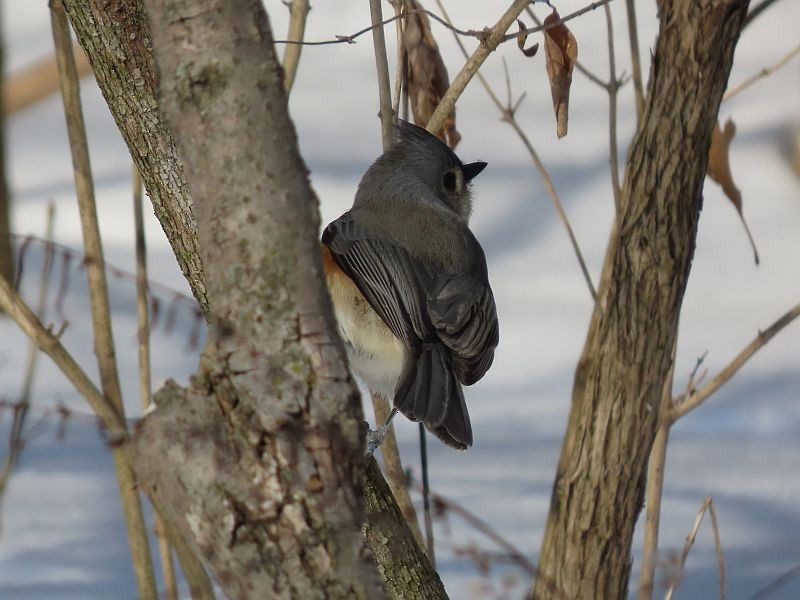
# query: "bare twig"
[670,411]
[509,117]
[708,505]
[480,35]
[382,65]
[98,291]
[697,397]
[47,342]
[655,487]
[765,72]
[399,75]
[145,387]
[113,422]
[636,62]
[756,11]
[16,438]
[775,585]
[613,86]
[142,315]
[393,468]
[488,44]
[480,525]
[298,11]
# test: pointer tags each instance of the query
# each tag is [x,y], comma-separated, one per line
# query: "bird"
[409,283]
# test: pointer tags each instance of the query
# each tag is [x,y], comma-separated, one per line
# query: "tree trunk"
[261,455]
[598,491]
[115,37]
[259,460]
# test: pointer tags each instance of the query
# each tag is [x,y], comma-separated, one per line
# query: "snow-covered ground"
[62,533]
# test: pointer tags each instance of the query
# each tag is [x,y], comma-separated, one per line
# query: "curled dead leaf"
[522,38]
[719,169]
[561,52]
[426,74]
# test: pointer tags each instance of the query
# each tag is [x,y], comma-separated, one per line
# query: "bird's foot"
[375,438]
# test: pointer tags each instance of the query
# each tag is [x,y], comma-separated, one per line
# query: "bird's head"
[421,168]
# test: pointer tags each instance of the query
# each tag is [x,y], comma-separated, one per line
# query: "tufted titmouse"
[409,284]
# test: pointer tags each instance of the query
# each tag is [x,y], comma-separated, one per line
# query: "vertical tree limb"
[393,468]
[98,292]
[636,61]
[298,11]
[115,37]
[145,387]
[16,439]
[613,87]
[382,65]
[599,484]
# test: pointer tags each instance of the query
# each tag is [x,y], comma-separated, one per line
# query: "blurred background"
[62,530]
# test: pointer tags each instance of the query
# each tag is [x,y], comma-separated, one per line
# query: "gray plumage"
[407,247]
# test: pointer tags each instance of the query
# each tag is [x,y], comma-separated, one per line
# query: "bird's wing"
[417,303]
[462,309]
[384,274]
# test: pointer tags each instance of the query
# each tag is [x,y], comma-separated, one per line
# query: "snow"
[62,529]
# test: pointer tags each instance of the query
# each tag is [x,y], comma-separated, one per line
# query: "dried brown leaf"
[426,75]
[522,38]
[719,169]
[561,52]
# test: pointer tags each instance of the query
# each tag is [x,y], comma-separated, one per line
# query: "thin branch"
[492,38]
[145,387]
[655,486]
[382,65]
[142,314]
[298,11]
[393,468]
[13,305]
[636,62]
[765,72]
[708,505]
[696,398]
[775,585]
[401,57]
[569,17]
[613,86]
[756,11]
[480,35]
[98,291]
[509,117]
[482,526]
[16,438]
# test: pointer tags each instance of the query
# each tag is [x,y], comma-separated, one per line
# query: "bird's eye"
[449,181]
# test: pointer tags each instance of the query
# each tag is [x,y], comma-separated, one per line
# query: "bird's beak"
[472,170]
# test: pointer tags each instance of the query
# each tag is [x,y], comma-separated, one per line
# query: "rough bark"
[598,491]
[401,560]
[115,37]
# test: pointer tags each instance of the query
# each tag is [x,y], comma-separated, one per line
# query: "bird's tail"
[429,392]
